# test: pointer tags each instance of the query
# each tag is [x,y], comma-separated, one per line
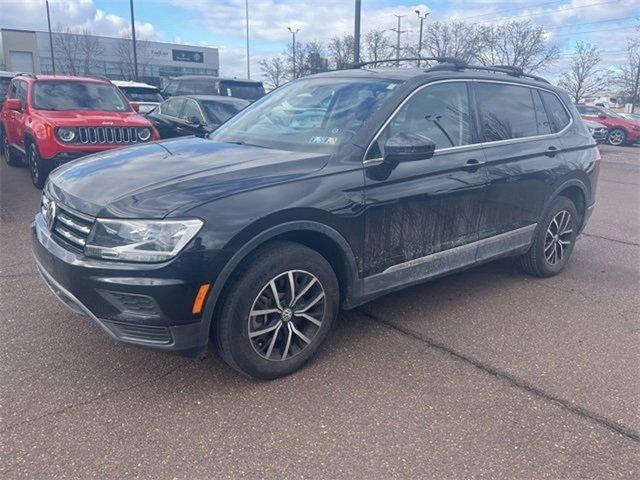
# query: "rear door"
[166,118]
[523,154]
[419,212]
[192,120]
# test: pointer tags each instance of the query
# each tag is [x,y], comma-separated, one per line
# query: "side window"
[556,111]
[191,110]
[592,111]
[11,92]
[172,107]
[439,112]
[21,92]
[171,89]
[544,126]
[506,111]
[198,86]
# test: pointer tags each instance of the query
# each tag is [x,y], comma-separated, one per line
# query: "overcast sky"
[220,23]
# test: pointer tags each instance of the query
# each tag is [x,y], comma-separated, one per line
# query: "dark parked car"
[330,191]
[205,85]
[194,114]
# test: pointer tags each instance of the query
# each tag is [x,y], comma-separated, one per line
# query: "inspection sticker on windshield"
[325,140]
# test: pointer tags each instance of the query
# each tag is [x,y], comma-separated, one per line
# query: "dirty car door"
[416,209]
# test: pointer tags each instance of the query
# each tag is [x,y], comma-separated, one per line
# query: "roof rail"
[25,74]
[509,70]
[455,62]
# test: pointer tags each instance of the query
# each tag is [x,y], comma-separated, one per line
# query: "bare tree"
[91,52]
[67,50]
[124,52]
[517,44]
[454,39]
[585,77]
[628,78]
[274,70]
[341,51]
[377,46]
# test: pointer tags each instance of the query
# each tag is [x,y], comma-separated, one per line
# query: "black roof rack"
[509,70]
[455,62]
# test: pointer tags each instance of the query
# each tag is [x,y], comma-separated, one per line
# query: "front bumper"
[138,305]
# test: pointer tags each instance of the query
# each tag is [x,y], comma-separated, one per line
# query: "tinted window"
[544,127]
[246,90]
[220,112]
[198,86]
[11,92]
[171,89]
[439,112]
[191,110]
[172,107]
[65,95]
[21,92]
[556,111]
[506,111]
[142,94]
[4,85]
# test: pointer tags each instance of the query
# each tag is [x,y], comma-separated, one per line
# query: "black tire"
[544,245]
[10,156]
[38,169]
[617,137]
[244,295]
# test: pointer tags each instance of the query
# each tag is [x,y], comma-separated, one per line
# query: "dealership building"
[77,54]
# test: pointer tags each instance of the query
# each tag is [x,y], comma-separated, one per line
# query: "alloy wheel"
[616,137]
[5,148]
[558,237]
[33,165]
[286,315]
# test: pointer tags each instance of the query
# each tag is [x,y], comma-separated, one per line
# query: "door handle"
[472,165]
[551,151]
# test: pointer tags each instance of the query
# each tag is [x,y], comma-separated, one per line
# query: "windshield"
[316,114]
[142,94]
[4,85]
[219,112]
[248,91]
[66,95]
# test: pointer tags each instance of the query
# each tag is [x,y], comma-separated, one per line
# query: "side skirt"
[439,264]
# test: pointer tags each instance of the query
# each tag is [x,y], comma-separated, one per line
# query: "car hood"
[156,179]
[95,118]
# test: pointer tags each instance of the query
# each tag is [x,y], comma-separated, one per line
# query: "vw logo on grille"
[49,213]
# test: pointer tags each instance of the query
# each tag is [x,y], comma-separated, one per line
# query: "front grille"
[71,227]
[107,136]
[145,333]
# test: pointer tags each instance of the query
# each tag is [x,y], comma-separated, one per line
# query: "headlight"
[144,134]
[66,134]
[591,130]
[140,240]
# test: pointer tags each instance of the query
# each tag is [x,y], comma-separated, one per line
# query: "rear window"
[66,95]
[248,91]
[557,113]
[142,94]
[507,111]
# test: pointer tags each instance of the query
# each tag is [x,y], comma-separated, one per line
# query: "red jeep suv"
[49,120]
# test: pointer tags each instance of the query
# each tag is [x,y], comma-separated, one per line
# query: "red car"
[49,120]
[621,130]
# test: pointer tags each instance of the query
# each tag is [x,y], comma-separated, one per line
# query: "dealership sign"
[187,56]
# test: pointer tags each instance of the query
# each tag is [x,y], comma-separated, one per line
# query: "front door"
[422,215]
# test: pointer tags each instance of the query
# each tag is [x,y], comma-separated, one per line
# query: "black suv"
[204,85]
[330,191]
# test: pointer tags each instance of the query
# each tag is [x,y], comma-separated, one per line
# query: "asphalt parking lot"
[483,374]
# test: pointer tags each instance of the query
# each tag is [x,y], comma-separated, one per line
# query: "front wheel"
[553,241]
[38,169]
[277,311]
[617,137]
[9,156]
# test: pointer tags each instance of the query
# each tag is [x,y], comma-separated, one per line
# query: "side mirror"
[195,121]
[408,147]
[602,115]
[13,104]
[135,106]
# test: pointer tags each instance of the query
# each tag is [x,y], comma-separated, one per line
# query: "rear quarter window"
[558,115]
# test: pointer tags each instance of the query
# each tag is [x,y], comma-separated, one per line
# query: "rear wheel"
[277,311]
[617,137]
[9,156]
[39,170]
[553,241]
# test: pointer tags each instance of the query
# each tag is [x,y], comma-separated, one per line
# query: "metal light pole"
[53,62]
[133,39]
[293,32]
[421,17]
[398,32]
[356,33]
[246,6]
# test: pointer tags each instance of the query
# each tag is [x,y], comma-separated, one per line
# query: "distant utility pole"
[421,17]
[399,32]
[356,33]
[133,39]
[293,32]
[246,5]
[636,85]
[53,62]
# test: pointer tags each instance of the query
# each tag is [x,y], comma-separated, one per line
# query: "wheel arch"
[576,191]
[320,237]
